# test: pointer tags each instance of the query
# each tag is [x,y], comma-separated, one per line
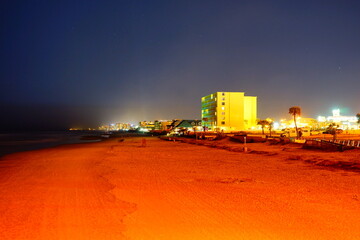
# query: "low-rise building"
[344,122]
[148,125]
[162,125]
[182,126]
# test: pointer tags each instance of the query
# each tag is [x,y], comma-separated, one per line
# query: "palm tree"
[205,120]
[263,123]
[271,125]
[295,111]
[358,117]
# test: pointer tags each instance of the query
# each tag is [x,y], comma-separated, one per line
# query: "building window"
[223,122]
[223,94]
[222,108]
[223,103]
[223,118]
[223,99]
[223,113]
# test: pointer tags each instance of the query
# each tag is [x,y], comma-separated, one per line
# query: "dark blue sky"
[83,63]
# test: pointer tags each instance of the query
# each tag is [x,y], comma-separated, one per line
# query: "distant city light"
[321,119]
[336,112]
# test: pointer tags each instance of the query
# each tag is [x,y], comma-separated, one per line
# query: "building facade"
[185,126]
[147,125]
[162,125]
[229,111]
[344,122]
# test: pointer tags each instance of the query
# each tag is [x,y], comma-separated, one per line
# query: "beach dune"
[171,190]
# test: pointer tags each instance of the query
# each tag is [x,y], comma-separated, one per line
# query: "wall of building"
[250,112]
[234,108]
[162,125]
[208,110]
[229,111]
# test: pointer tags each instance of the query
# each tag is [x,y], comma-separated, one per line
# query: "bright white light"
[321,119]
[336,112]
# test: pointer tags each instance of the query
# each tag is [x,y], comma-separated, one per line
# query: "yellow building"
[229,111]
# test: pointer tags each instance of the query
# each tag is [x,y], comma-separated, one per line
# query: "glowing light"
[336,112]
[321,119]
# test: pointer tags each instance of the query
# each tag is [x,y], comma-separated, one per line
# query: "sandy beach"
[172,190]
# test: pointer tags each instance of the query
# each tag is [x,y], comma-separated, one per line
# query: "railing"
[353,143]
[208,105]
[338,145]
[344,142]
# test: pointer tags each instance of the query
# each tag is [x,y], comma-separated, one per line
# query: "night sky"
[85,63]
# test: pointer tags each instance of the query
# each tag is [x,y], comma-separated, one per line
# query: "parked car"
[291,132]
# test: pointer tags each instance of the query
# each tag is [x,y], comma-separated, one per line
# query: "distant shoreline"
[13,142]
[28,141]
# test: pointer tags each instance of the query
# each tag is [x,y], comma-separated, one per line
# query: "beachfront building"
[229,111]
[148,125]
[122,126]
[181,126]
[344,122]
[116,127]
[162,125]
[301,122]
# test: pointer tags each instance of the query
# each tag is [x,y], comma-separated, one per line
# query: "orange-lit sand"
[171,190]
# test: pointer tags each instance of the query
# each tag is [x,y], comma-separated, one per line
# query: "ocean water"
[24,141]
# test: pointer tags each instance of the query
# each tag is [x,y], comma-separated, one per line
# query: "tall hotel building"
[228,111]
